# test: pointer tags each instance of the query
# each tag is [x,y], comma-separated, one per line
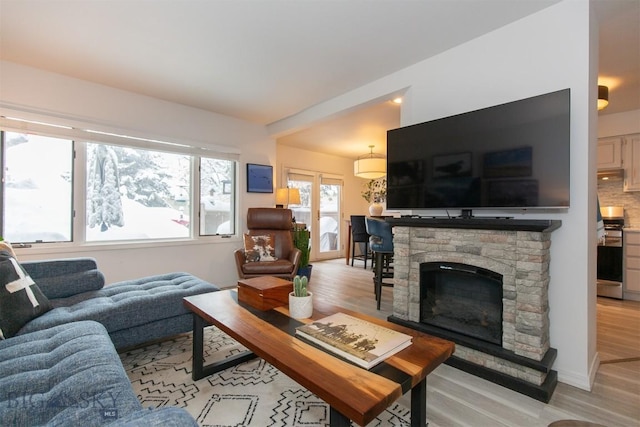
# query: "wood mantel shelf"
[478,223]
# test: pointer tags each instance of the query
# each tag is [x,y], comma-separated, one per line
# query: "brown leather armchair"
[279,223]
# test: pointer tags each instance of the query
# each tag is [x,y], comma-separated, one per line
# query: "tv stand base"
[466,214]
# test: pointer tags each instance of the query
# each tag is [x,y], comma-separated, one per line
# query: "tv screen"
[514,155]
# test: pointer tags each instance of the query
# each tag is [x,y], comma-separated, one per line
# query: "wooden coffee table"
[352,393]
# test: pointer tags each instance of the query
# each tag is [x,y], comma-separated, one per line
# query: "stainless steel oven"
[610,253]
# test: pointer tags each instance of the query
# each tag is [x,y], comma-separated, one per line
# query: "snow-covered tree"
[104,200]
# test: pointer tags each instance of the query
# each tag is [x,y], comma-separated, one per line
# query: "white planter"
[300,307]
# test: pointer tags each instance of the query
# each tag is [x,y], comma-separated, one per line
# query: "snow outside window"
[37,191]
[217,196]
[132,193]
[136,194]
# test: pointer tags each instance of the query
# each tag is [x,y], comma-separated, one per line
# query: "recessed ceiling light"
[397,100]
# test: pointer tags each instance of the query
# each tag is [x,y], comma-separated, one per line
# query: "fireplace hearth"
[483,285]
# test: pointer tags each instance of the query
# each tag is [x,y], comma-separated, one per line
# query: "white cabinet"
[609,153]
[631,163]
[632,265]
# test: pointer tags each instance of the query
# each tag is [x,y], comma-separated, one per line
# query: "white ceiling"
[619,68]
[265,60]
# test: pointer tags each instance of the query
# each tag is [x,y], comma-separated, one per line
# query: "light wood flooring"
[456,398]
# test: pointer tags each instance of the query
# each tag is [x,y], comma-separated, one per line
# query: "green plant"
[375,190]
[302,241]
[300,286]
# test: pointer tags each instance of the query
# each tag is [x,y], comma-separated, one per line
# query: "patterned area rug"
[251,394]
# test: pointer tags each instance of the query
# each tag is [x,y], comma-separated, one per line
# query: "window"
[127,193]
[37,192]
[135,194]
[217,196]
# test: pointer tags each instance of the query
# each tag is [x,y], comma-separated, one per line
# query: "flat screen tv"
[514,156]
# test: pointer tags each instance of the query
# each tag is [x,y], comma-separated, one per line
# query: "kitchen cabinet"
[632,264]
[609,153]
[631,163]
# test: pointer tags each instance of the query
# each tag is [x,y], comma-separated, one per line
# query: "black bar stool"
[359,236]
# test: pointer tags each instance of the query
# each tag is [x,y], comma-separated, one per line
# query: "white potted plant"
[300,300]
[375,192]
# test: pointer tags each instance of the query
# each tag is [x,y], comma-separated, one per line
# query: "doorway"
[320,209]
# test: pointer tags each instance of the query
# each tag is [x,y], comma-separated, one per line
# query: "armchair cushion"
[274,268]
[20,298]
[259,248]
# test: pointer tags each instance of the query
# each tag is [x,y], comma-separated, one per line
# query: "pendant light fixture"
[370,165]
[603,97]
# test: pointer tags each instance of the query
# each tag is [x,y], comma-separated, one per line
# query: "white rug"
[251,394]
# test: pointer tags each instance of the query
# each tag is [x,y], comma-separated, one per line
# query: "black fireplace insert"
[462,298]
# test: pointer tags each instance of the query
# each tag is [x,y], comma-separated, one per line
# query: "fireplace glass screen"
[463,299]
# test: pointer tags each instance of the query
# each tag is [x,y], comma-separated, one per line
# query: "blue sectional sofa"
[62,367]
[133,311]
[71,375]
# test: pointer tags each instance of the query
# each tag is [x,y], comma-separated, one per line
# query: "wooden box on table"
[264,293]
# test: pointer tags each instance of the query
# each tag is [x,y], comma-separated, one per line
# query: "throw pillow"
[20,298]
[6,246]
[259,248]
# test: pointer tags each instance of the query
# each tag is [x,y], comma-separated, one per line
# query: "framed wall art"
[259,178]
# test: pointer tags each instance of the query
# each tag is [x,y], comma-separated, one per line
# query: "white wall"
[32,93]
[545,52]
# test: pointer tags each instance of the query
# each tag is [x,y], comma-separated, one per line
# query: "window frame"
[80,137]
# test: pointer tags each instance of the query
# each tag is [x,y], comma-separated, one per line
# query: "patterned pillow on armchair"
[259,248]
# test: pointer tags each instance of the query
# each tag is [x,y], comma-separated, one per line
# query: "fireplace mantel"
[478,223]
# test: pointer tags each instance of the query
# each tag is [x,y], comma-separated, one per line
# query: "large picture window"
[128,193]
[135,194]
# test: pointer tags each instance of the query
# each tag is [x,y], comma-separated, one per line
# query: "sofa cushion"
[259,248]
[61,278]
[67,375]
[125,304]
[20,298]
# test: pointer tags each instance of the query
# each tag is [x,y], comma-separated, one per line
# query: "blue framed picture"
[259,178]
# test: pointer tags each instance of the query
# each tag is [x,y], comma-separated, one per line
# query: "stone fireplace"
[482,283]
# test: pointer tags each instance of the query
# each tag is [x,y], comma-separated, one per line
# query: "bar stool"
[359,235]
[381,243]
